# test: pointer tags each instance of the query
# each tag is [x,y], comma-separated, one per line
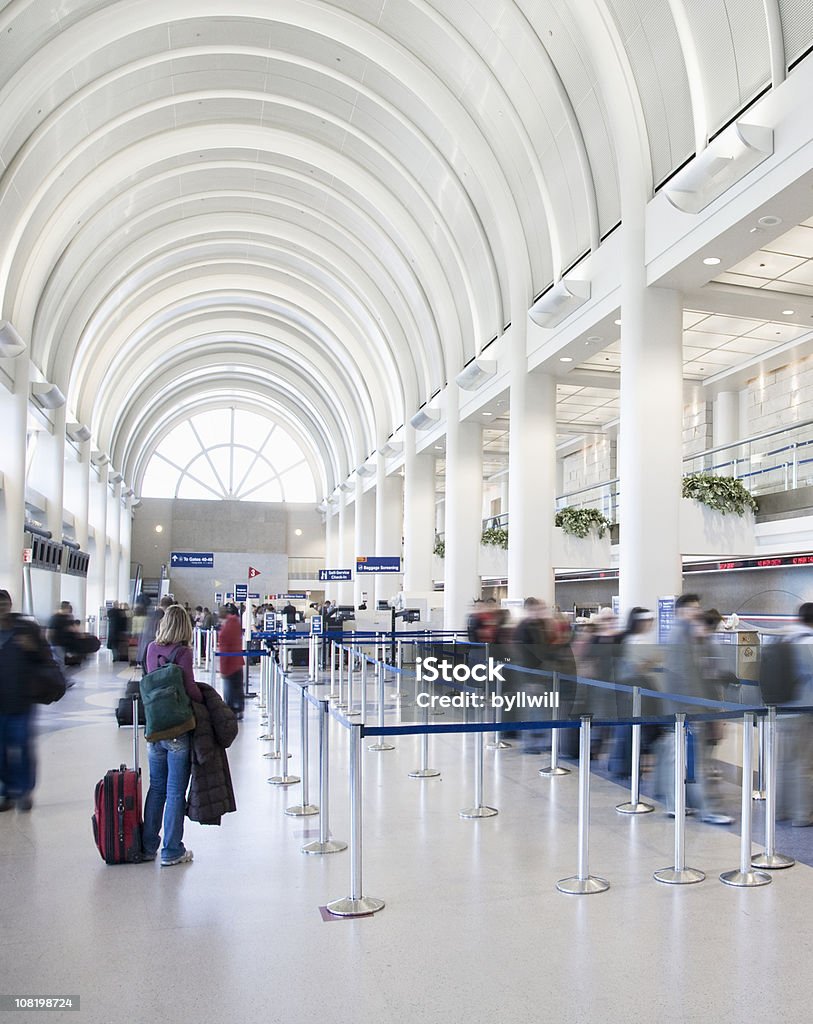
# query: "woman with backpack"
[170,758]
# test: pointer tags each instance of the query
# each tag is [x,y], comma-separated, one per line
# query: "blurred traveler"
[230,643]
[795,782]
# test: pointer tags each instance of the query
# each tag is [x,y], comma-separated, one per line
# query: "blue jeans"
[17,766]
[170,764]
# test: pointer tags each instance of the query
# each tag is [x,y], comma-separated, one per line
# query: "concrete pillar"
[331,548]
[126,550]
[464,500]
[650,440]
[419,516]
[14,417]
[97,571]
[113,581]
[346,543]
[77,501]
[50,481]
[532,483]
[389,526]
[364,535]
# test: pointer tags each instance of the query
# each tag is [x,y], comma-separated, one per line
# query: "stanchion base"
[331,846]
[758,794]
[639,808]
[300,811]
[772,861]
[479,812]
[381,746]
[355,908]
[283,780]
[686,876]
[499,745]
[576,886]
[745,878]
[551,771]
[265,736]
[275,755]
[424,773]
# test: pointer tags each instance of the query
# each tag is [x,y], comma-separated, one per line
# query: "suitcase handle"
[135,733]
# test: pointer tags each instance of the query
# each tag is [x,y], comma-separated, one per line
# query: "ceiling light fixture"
[476,374]
[565,359]
[425,418]
[788,312]
[617,323]
[712,261]
[11,344]
[559,302]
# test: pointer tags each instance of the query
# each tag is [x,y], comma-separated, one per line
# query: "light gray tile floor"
[473,930]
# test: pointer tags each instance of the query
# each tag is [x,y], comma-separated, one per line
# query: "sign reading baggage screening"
[377,564]
[335,575]
[192,560]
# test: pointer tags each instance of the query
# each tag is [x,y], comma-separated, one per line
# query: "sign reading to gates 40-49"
[374,563]
[335,575]
[192,560]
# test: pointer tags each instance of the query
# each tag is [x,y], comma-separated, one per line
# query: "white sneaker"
[184,858]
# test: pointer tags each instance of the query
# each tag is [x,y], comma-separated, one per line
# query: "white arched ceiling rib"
[190,246]
[150,436]
[94,262]
[332,315]
[171,306]
[411,206]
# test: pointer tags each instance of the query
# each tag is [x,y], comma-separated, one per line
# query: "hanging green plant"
[579,521]
[722,493]
[495,537]
[440,547]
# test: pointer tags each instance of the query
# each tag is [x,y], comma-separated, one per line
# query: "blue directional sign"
[335,575]
[316,625]
[666,618]
[192,560]
[219,598]
[376,564]
[240,592]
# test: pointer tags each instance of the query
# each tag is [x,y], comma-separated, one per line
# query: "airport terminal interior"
[456,357]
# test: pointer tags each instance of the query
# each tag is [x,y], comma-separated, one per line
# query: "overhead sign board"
[666,618]
[219,598]
[316,625]
[378,564]
[335,575]
[192,560]
[240,592]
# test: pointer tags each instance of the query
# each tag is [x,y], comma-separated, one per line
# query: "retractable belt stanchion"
[356,904]
[305,808]
[332,651]
[261,696]
[213,659]
[480,809]
[497,742]
[398,693]
[635,804]
[363,685]
[759,792]
[277,683]
[425,772]
[324,844]
[554,768]
[381,744]
[351,671]
[341,703]
[284,779]
[745,875]
[679,874]
[265,689]
[770,858]
[583,883]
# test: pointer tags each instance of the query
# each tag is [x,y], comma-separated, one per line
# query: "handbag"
[47,683]
[167,708]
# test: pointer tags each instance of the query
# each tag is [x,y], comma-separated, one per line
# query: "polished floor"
[473,929]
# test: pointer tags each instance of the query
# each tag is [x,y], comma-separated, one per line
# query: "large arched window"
[230,454]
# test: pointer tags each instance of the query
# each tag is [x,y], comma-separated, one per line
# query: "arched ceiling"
[326,208]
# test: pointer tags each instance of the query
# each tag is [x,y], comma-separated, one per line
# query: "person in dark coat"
[211,794]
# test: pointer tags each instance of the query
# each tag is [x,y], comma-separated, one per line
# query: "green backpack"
[167,708]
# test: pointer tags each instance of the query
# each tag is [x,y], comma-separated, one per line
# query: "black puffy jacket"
[211,793]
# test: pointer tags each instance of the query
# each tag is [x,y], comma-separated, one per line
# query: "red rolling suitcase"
[118,818]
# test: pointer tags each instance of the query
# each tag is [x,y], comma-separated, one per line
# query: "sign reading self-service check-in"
[335,575]
[375,564]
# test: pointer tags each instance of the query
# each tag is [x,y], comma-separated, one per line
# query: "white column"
[97,571]
[14,417]
[50,481]
[531,484]
[126,550]
[113,584]
[331,548]
[346,544]
[464,501]
[77,501]
[389,525]
[419,515]
[650,440]
[725,419]
[364,536]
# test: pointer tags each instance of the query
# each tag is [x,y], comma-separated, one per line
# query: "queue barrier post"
[583,883]
[635,805]
[332,649]
[324,844]
[265,690]
[424,772]
[381,744]
[554,768]
[745,876]
[759,791]
[497,742]
[306,807]
[341,703]
[356,904]
[770,859]
[351,673]
[284,779]
[679,874]
[480,809]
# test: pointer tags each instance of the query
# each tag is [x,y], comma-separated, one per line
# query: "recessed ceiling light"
[769,221]
[159,528]
[298,533]
[788,312]
[565,359]
[711,261]
[439,447]
[617,323]
[488,413]
[594,337]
